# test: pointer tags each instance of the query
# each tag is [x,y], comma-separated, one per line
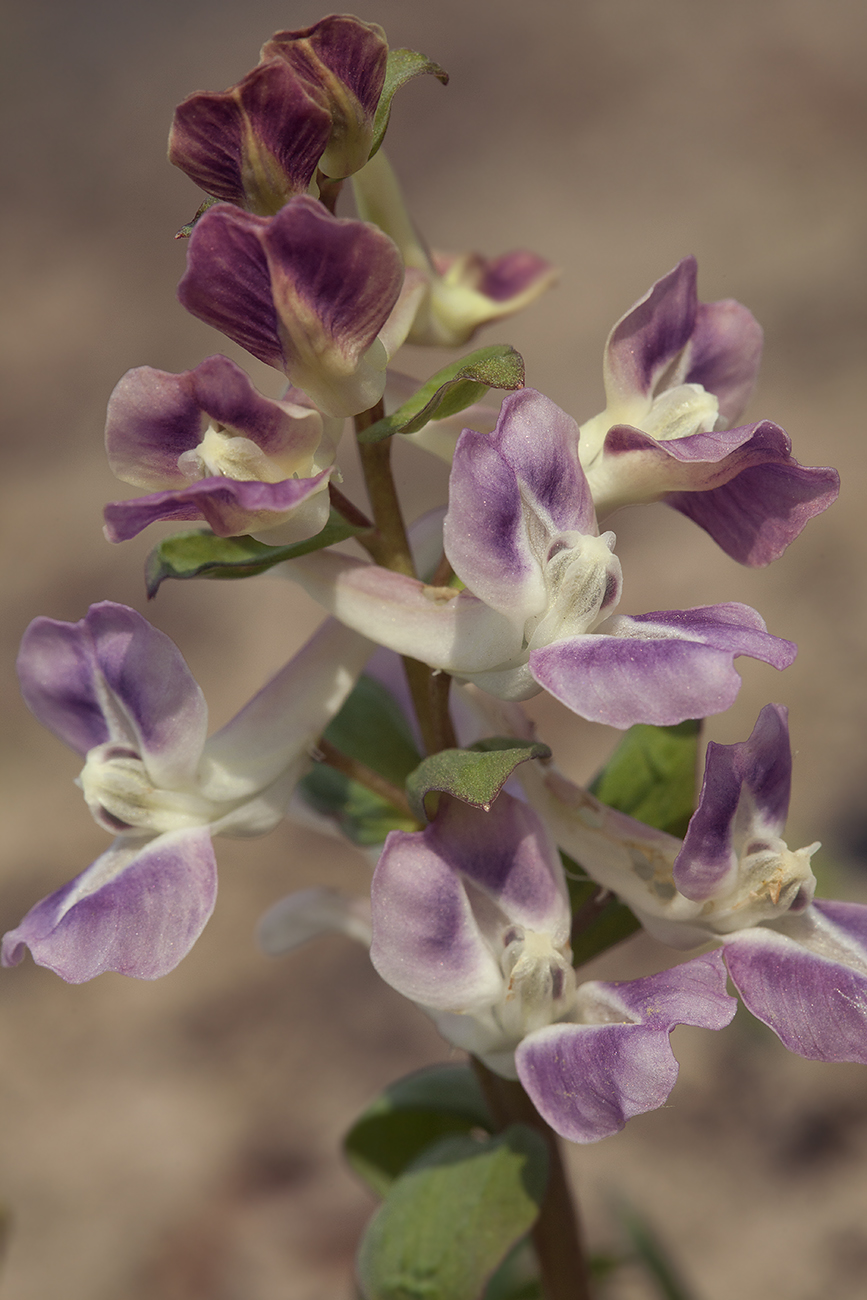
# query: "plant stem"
[555,1234]
[327,753]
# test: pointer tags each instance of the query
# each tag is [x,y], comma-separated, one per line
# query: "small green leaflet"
[401,67]
[451,1218]
[475,775]
[408,1116]
[201,554]
[652,776]
[451,390]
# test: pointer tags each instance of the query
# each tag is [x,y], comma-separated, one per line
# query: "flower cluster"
[510,589]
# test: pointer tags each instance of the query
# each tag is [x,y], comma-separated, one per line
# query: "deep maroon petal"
[755,775]
[355,51]
[810,984]
[659,668]
[257,143]
[512,274]
[649,337]
[724,354]
[137,910]
[757,514]
[227,283]
[231,507]
[588,1079]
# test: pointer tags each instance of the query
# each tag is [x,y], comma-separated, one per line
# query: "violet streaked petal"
[426,941]
[506,852]
[232,508]
[756,515]
[257,143]
[744,794]
[227,282]
[806,978]
[334,282]
[659,668]
[137,910]
[588,1079]
[724,354]
[645,342]
[441,627]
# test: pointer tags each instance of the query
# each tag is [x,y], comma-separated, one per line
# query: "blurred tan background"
[177,1141]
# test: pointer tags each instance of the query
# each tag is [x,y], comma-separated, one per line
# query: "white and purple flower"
[462,291]
[541,587]
[678,373]
[210,447]
[321,298]
[120,694]
[471,920]
[800,965]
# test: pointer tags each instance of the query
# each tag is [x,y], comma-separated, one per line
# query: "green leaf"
[451,1218]
[474,775]
[201,554]
[372,729]
[517,1278]
[411,1114]
[452,389]
[187,230]
[652,776]
[401,67]
[598,921]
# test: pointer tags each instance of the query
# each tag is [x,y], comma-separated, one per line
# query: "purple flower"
[311,294]
[677,374]
[216,450]
[119,693]
[462,291]
[309,104]
[470,919]
[541,587]
[800,966]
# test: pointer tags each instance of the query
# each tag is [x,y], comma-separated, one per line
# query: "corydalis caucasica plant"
[514,588]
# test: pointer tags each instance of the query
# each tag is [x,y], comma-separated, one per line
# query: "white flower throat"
[540,981]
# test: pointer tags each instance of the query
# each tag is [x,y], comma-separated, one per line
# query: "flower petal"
[807,979]
[114,677]
[659,668]
[137,910]
[645,341]
[758,513]
[724,354]
[231,507]
[308,914]
[426,941]
[588,1079]
[745,791]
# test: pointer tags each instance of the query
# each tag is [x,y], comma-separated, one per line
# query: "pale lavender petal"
[255,144]
[724,354]
[114,665]
[759,768]
[136,910]
[588,1079]
[659,668]
[506,852]
[227,282]
[309,914]
[756,515]
[808,984]
[426,941]
[231,507]
[645,341]
[531,460]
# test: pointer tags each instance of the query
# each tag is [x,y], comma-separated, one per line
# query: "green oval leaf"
[453,1216]
[201,554]
[401,67]
[474,775]
[408,1116]
[652,776]
[451,390]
